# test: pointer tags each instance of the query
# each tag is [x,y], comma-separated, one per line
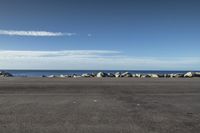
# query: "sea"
[39,73]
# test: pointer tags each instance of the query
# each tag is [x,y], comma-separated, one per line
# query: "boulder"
[153,75]
[117,74]
[161,75]
[148,76]
[189,75]
[68,76]
[171,75]
[138,75]
[62,76]
[177,75]
[86,75]
[166,76]
[197,74]
[51,76]
[145,76]
[93,75]
[111,75]
[77,76]
[134,75]
[126,74]
[101,75]
[5,74]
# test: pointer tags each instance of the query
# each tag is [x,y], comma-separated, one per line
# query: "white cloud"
[57,54]
[91,59]
[34,33]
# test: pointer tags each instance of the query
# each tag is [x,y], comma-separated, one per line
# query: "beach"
[99,105]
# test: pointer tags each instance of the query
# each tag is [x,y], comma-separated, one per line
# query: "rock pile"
[117,75]
[5,74]
[129,75]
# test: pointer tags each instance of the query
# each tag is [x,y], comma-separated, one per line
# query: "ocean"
[39,73]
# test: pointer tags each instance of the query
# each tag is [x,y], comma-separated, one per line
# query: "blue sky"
[100,34]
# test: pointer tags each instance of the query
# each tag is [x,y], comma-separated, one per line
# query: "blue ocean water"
[39,73]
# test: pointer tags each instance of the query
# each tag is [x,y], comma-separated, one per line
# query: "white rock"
[126,74]
[86,75]
[166,76]
[51,76]
[138,75]
[172,75]
[144,76]
[154,76]
[117,74]
[189,75]
[101,74]
[62,76]
[76,76]
[134,75]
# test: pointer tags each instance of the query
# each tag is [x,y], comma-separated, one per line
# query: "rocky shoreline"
[5,74]
[116,75]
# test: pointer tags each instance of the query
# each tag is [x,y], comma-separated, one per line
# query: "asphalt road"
[92,105]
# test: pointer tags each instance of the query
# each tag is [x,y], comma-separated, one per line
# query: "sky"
[100,34]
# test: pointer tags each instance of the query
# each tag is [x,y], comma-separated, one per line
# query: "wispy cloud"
[56,54]
[91,59]
[34,33]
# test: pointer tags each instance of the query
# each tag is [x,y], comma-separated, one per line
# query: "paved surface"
[91,105]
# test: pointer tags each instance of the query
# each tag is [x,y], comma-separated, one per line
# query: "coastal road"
[99,105]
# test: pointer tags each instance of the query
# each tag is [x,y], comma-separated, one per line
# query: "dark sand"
[91,105]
